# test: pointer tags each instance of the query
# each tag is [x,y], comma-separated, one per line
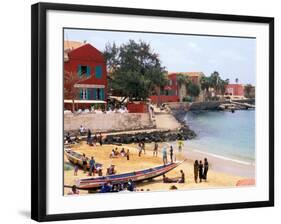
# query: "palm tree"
[214,81]
[222,84]
[182,82]
[205,85]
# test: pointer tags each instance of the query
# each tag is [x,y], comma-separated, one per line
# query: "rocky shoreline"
[223,105]
[183,133]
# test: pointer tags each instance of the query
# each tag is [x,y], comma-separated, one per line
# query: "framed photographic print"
[139,111]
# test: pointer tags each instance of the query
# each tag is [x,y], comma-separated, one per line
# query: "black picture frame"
[38,108]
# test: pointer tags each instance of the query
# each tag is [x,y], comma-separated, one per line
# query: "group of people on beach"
[93,140]
[201,170]
[70,140]
[165,154]
[109,187]
[92,166]
[115,153]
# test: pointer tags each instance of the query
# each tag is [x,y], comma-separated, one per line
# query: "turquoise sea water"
[225,134]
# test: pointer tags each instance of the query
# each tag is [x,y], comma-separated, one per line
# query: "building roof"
[86,52]
[69,45]
[190,74]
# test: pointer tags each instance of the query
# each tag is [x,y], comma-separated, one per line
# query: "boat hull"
[137,176]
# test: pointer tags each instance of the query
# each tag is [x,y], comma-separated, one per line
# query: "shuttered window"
[102,94]
[98,72]
[84,70]
[83,94]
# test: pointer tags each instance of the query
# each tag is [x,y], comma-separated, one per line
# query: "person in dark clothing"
[169,180]
[84,162]
[182,178]
[95,139]
[200,171]
[89,137]
[143,147]
[206,168]
[196,169]
[100,139]
[106,188]
[128,154]
[131,185]
[155,150]
[171,153]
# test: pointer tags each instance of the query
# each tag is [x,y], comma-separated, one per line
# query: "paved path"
[166,121]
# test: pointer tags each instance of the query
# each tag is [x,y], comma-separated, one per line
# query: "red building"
[171,92]
[85,76]
[234,90]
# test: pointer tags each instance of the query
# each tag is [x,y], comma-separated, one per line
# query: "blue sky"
[231,57]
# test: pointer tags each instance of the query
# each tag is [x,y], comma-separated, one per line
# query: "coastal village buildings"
[175,93]
[85,75]
[234,90]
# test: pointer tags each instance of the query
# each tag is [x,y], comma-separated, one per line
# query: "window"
[84,70]
[98,72]
[99,94]
[83,94]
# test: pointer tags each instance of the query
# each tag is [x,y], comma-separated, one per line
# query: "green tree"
[136,70]
[193,89]
[205,83]
[182,81]
[249,91]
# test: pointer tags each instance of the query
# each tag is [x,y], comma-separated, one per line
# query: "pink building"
[234,90]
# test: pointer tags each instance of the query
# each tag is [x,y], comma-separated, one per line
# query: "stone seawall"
[214,105]
[108,122]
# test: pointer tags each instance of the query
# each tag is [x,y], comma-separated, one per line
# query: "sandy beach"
[222,173]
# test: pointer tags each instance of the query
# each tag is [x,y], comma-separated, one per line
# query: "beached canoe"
[136,176]
[76,158]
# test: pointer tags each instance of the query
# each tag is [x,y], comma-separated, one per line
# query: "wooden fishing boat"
[76,158]
[135,176]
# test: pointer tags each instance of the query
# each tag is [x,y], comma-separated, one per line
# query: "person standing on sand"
[89,137]
[155,150]
[140,148]
[200,171]
[164,155]
[95,139]
[92,166]
[180,145]
[100,139]
[206,168]
[84,162]
[128,154]
[196,169]
[76,168]
[171,153]
[143,147]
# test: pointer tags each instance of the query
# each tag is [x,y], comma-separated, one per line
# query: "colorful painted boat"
[76,158]
[136,176]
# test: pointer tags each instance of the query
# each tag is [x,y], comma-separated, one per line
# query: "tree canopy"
[136,70]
